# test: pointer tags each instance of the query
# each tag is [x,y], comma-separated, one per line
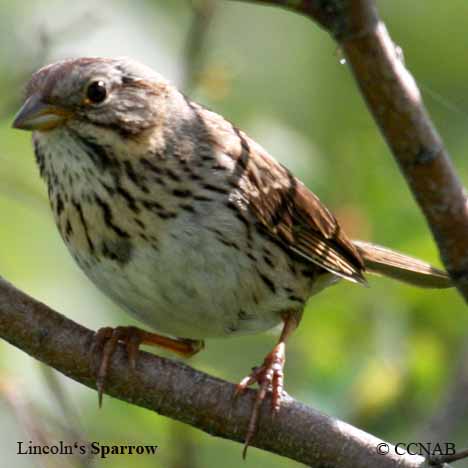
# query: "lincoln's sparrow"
[181,218]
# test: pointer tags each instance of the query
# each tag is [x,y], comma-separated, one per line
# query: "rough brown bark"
[176,390]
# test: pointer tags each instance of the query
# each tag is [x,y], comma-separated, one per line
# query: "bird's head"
[84,94]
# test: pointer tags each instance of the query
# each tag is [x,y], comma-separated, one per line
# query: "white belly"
[192,286]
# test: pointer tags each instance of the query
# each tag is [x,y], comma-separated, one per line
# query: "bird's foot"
[269,377]
[107,338]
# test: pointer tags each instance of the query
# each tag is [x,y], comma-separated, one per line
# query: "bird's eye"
[96,92]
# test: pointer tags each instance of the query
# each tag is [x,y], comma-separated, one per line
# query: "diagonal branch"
[395,102]
[176,390]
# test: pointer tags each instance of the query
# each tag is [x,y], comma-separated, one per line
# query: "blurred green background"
[381,358]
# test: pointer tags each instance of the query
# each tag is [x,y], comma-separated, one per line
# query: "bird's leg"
[269,376]
[107,338]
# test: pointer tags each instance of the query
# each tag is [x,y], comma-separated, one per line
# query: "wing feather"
[286,210]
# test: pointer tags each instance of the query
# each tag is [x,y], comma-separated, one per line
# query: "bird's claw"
[269,377]
[105,342]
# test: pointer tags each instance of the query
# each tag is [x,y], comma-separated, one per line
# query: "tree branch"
[176,390]
[395,102]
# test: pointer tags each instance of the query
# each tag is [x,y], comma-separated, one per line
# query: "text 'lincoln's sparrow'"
[182,219]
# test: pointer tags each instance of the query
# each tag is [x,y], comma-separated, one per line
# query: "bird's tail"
[386,262]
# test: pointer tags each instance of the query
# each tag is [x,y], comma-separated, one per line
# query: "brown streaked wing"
[287,210]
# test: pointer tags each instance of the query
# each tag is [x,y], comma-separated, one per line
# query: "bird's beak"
[38,115]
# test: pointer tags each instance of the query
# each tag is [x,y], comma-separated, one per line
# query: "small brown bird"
[184,220]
